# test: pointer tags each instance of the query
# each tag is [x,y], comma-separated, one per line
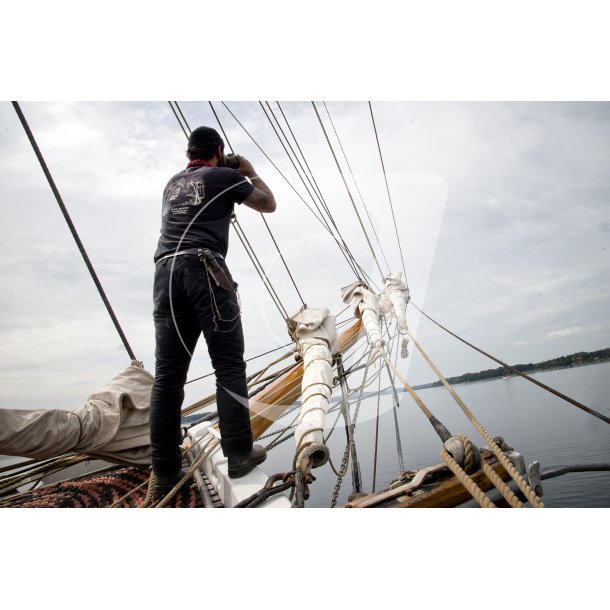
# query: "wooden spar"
[269,405]
[451,493]
[446,493]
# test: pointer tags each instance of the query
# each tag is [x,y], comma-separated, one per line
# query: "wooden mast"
[271,403]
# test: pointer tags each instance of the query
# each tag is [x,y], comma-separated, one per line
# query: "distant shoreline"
[563,362]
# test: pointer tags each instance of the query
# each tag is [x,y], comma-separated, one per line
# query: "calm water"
[537,424]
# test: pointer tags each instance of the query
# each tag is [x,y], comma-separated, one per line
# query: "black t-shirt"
[197,207]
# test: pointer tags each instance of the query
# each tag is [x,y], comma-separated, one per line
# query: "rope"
[72,228]
[279,433]
[252,358]
[501,486]
[508,466]
[203,454]
[518,372]
[388,190]
[130,493]
[349,426]
[27,465]
[256,377]
[267,381]
[466,481]
[59,464]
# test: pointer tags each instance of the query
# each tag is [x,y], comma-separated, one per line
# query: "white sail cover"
[393,300]
[316,336]
[112,424]
[365,305]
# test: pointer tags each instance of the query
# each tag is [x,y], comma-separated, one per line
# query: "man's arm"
[261,199]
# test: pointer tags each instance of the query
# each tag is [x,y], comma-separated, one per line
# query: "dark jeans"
[196,305]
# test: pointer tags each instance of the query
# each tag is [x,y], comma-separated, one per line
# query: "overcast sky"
[502,208]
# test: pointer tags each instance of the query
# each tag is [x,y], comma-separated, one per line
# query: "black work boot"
[163,484]
[240,465]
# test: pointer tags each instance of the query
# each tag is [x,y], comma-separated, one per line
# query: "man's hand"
[245,167]
[261,199]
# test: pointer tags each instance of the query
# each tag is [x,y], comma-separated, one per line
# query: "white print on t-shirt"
[198,192]
[195,193]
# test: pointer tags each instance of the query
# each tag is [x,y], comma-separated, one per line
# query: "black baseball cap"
[205,135]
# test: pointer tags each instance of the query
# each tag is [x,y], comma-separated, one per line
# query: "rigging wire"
[272,163]
[241,234]
[343,246]
[259,268]
[246,360]
[285,263]
[182,126]
[295,166]
[269,231]
[518,372]
[348,190]
[301,172]
[221,127]
[389,196]
[357,187]
[310,177]
[343,322]
[72,228]
[401,461]
[320,220]
[376,433]
[183,117]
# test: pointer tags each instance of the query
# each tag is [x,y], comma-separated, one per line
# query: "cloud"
[502,211]
[564,332]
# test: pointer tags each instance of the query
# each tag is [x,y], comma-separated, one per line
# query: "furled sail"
[365,305]
[393,300]
[112,424]
[316,338]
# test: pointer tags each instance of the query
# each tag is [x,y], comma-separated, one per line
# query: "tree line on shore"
[576,359]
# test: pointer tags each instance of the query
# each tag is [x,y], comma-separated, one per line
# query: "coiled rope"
[508,466]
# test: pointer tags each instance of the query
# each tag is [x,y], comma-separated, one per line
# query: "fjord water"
[537,424]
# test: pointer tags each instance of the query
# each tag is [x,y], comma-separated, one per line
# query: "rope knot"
[311,455]
[463,452]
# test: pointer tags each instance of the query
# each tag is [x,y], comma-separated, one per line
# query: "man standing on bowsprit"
[194,293]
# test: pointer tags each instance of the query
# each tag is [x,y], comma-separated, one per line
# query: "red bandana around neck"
[199,162]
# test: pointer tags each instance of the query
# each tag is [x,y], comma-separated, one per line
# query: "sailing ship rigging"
[323,372]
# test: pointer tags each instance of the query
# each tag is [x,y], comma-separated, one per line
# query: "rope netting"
[125,487]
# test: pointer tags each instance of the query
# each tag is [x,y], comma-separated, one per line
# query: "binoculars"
[232,161]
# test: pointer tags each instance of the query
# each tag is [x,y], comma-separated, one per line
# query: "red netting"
[99,490]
